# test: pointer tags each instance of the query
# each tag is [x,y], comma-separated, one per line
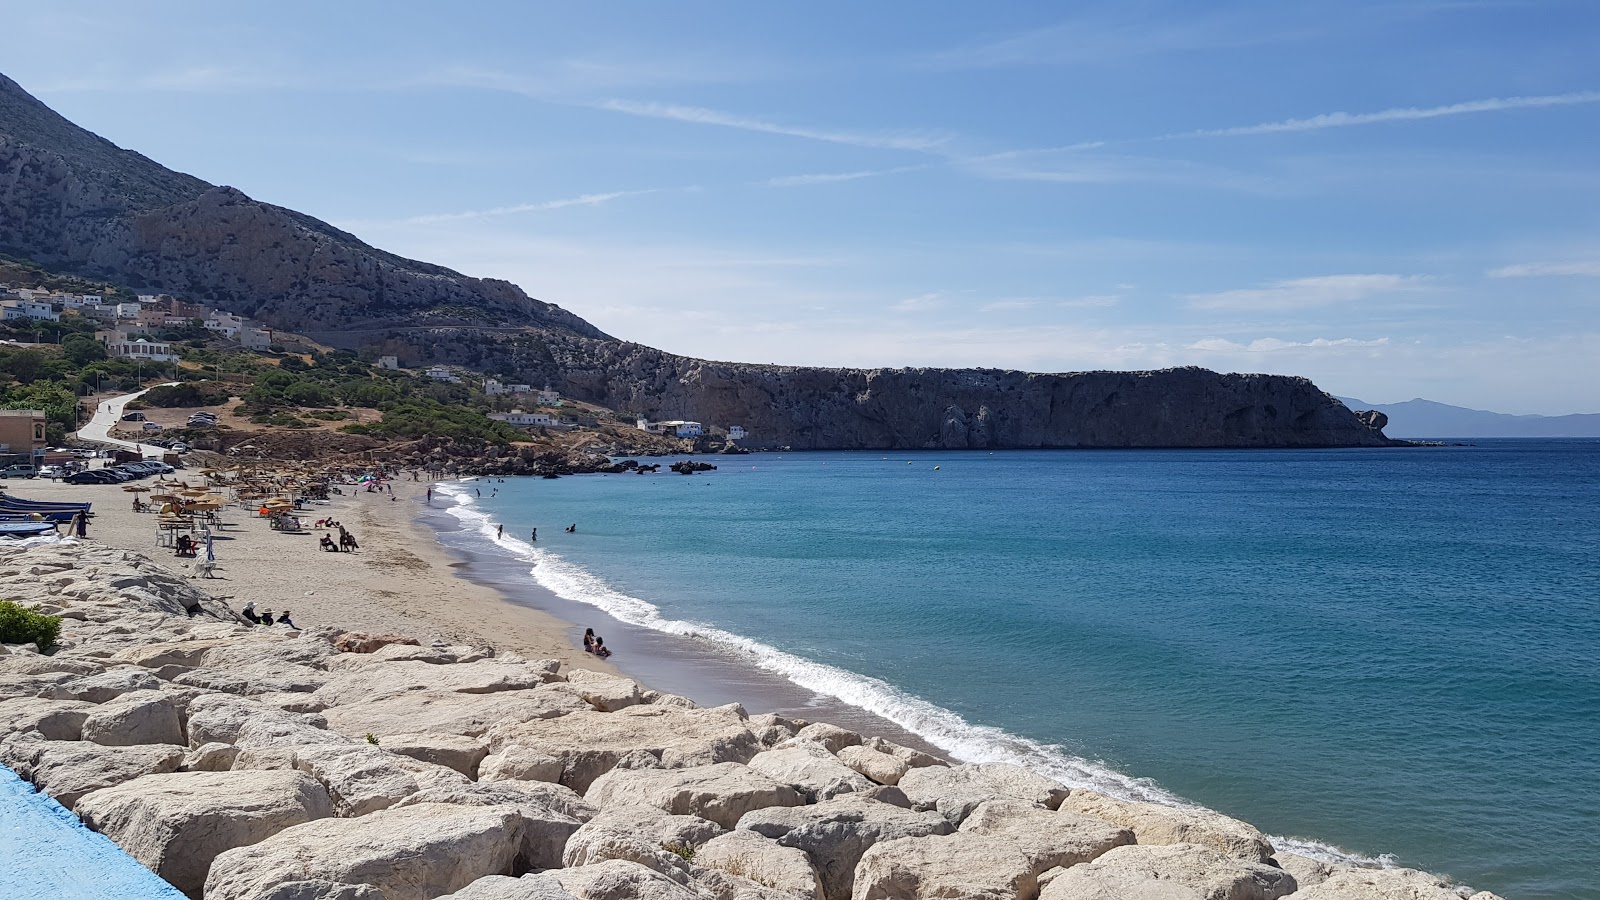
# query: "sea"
[1386,656]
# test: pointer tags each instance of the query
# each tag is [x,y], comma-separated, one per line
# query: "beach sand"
[400,581]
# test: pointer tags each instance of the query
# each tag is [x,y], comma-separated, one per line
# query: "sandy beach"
[400,580]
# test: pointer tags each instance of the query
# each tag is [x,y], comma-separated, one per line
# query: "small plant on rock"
[681,850]
[20,625]
[372,739]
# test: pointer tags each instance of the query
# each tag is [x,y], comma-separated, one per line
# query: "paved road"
[98,430]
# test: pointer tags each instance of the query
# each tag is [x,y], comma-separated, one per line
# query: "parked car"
[179,447]
[133,417]
[151,426]
[51,472]
[17,472]
[92,476]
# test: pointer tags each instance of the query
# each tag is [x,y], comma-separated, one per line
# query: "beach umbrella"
[211,554]
[135,489]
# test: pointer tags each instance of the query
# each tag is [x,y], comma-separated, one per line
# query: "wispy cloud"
[1582,268]
[498,211]
[1269,345]
[1307,293]
[1397,114]
[785,181]
[921,141]
[919,303]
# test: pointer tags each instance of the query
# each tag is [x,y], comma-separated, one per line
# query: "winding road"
[106,417]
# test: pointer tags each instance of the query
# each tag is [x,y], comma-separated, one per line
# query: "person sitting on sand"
[327,544]
[266,617]
[249,613]
[283,619]
[588,640]
[600,648]
[185,545]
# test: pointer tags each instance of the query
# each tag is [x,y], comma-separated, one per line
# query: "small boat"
[26,529]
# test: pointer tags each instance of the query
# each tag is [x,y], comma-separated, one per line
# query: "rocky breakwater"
[254,763]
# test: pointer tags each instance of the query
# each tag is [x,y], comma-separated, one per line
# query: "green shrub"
[20,625]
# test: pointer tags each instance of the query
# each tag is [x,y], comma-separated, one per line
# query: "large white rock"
[607,693]
[415,853]
[111,683]
[956,790]
[1155,824]
[463,754]
[360,779]
[176,824]
[1383,884]
[516,763]
[447,712]
[550,814]
[880,767]
[67,770]
[589,744]
[55,720]
[370,683]
[651,837]
[1001,850]
[618,879]
[721,792]
[137,717]
[1307,872]
[835,833]
[1175,871]
[831,736]
[226,719]
[809,768]
[539,886]
[916,759]
[787,870]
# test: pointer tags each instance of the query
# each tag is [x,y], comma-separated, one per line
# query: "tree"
[82,350]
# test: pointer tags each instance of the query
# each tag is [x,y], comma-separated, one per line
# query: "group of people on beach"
[345,544]
[265,617]
[594,643]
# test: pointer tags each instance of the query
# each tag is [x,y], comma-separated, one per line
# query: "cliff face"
[75,202]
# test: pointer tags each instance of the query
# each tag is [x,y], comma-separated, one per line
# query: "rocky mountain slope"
[76,203]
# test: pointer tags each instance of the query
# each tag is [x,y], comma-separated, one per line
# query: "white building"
[149,351]
[549,397]
[736,433]
[28,309]
[494,388]
[440,373]
[680,428]
[255,338]
[644,424]
[392,363]
[128,310]
[225,324]
[524,419]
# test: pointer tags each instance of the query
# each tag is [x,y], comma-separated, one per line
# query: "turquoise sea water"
[1395,653]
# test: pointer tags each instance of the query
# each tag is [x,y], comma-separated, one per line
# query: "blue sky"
[1396,199]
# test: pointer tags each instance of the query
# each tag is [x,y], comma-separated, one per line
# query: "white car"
[151,426]
[179,447]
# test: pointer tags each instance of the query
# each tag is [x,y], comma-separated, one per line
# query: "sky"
[1396,199]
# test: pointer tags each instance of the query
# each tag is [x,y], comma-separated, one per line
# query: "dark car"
[93,476]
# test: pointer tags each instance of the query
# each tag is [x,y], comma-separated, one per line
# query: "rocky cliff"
[75,202]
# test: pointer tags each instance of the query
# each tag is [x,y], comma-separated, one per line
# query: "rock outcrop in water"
[75,202]
[294,770]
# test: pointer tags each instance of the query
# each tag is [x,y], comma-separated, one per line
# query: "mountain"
[76,203]
[1427,419]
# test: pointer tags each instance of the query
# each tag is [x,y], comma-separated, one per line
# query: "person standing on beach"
[430,496]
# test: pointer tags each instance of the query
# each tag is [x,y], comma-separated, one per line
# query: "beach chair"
[203,568]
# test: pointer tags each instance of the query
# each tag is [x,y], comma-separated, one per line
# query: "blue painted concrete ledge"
[47,854]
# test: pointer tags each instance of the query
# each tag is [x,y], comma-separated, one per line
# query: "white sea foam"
[942,728]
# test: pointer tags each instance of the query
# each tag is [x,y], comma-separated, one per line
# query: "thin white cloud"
[919,303]
[1307,293]
[1581,268]
[786,181]
[698,115]
[498,211]
[1398,114]
[1269,345]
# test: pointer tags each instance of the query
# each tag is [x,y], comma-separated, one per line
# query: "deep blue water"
[1392,652]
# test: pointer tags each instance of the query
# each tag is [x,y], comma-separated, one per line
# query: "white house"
[644,424]
[392,363]
[225,324]
[28,309]
[149,351]
[549,397]
[524,419]
[255,338]
[128,310]
[736,433]
[680,428]
[440,373]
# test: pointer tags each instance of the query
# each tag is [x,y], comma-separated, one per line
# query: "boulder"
[831,736]
[176,824]
[589,744]
[876,765]
[618,879]
[447,712]
[1176,871]
[226,719]
[369,683]
[916,759]
[1382,884]
[111,683]
[956,790]
[55,720]
[835,833]
[787,870]
[34,664]
[415,853]
[721,792]
[539,886]
[137,717]
[953,867]
[1152,823]
[607,693]
[174,653]
[549,813]
[47,685]
[520,764]
[1048,839]
[363,642]
[809,768]
[67,770]
[463,754]
[361,779]
[651,837]
[1307,872]
[210,758]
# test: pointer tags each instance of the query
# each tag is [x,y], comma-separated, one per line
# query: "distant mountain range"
[1427,419]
